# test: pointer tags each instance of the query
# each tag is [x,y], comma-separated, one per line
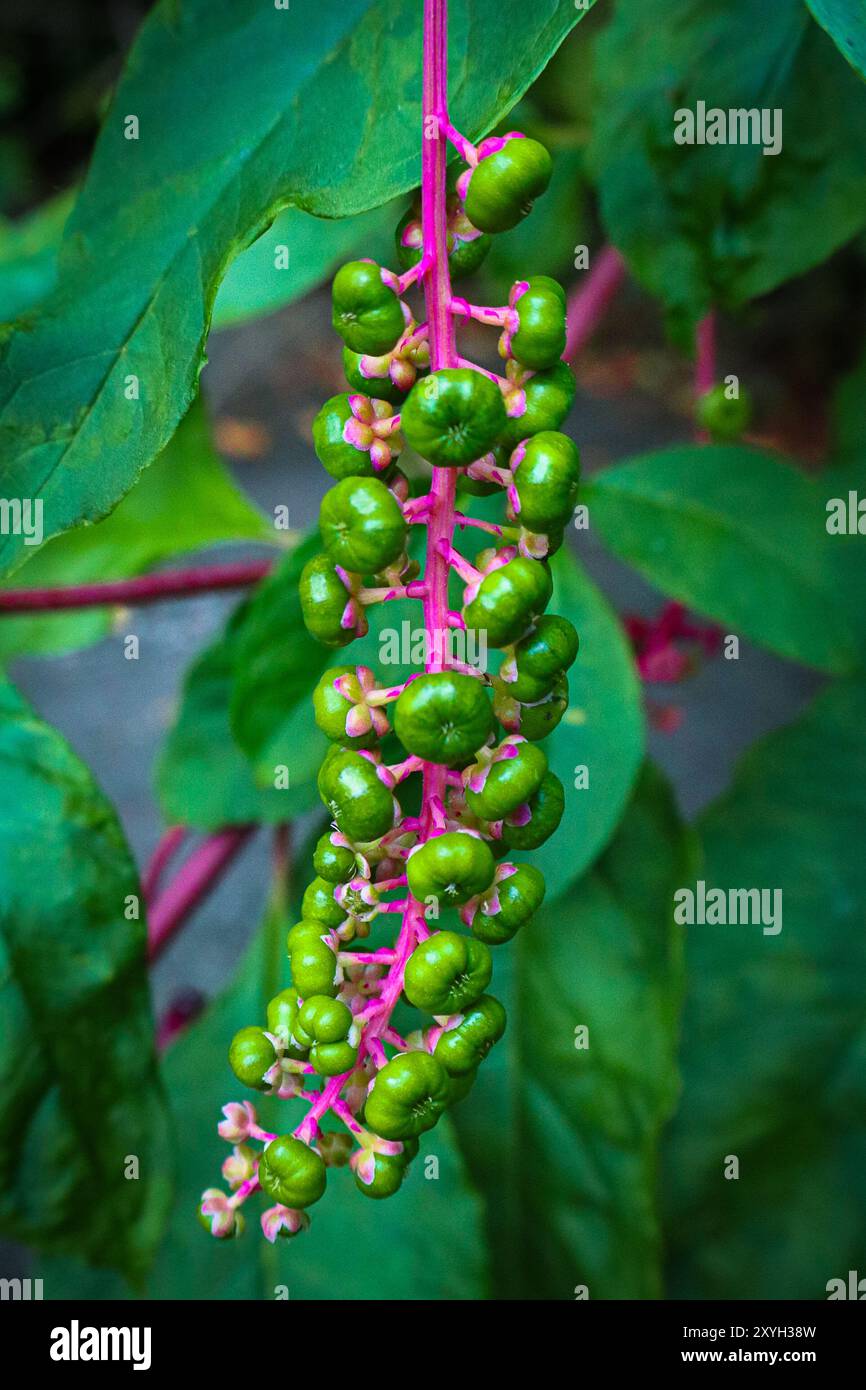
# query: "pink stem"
[495,317]
[169,844]
[464,147]
[589,301]
[181,1012]
[147,588]
[436,279]
[195,879]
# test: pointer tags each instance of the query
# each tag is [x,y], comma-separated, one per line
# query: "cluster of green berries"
[473,734]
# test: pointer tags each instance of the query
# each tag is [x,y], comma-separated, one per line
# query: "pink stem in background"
[165,851]
[197,877]
[147,588]
[183,1009]
[587,303]
[705,363]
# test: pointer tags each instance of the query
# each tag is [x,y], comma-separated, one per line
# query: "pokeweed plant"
[471,737]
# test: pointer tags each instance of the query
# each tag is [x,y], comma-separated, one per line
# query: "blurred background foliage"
[601,1168]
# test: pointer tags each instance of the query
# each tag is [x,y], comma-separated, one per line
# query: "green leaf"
[738,535]
[185,501]
[79,1090]
[203,779]
[774,1042]
[256,282]
[602,730]
[243,109]
[845,22]
[562,1139]
[276,664]
[28,256]
[703,224]
[425,1243]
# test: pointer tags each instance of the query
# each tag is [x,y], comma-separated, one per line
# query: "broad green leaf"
[562,1139]
[737,534]
[185,501]
[28,256]
[845,22]
[774,1042]
[236,110]
[79,1091]
[258,281]
[276,663]
[203,779]
[425,1243]
[719,224]
[602,730]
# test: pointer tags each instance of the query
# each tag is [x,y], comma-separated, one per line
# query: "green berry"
[444,717]
[357,798]
[508,782]
[508,599]
[549,398]
[518,897]
[461,1049]
[324,599]
[333,1059]
[546,651]
[451,869]
[533,720]
[447,972]
[291,1173]
[283,1020]
[341,458]
[388,1173]
[330,708]
[320,905]
[333,863]
[366,312]
[362,525]
[724,417]
[545,813]
[505,183]
[314,968]
[546,474]
[539,341]
[453,417]
[251,1054]
[407,1096]
[324,1020]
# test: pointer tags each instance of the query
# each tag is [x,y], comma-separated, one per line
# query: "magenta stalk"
[587,304]
[146,588]
[201,872]
[436,282]
[170,842]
